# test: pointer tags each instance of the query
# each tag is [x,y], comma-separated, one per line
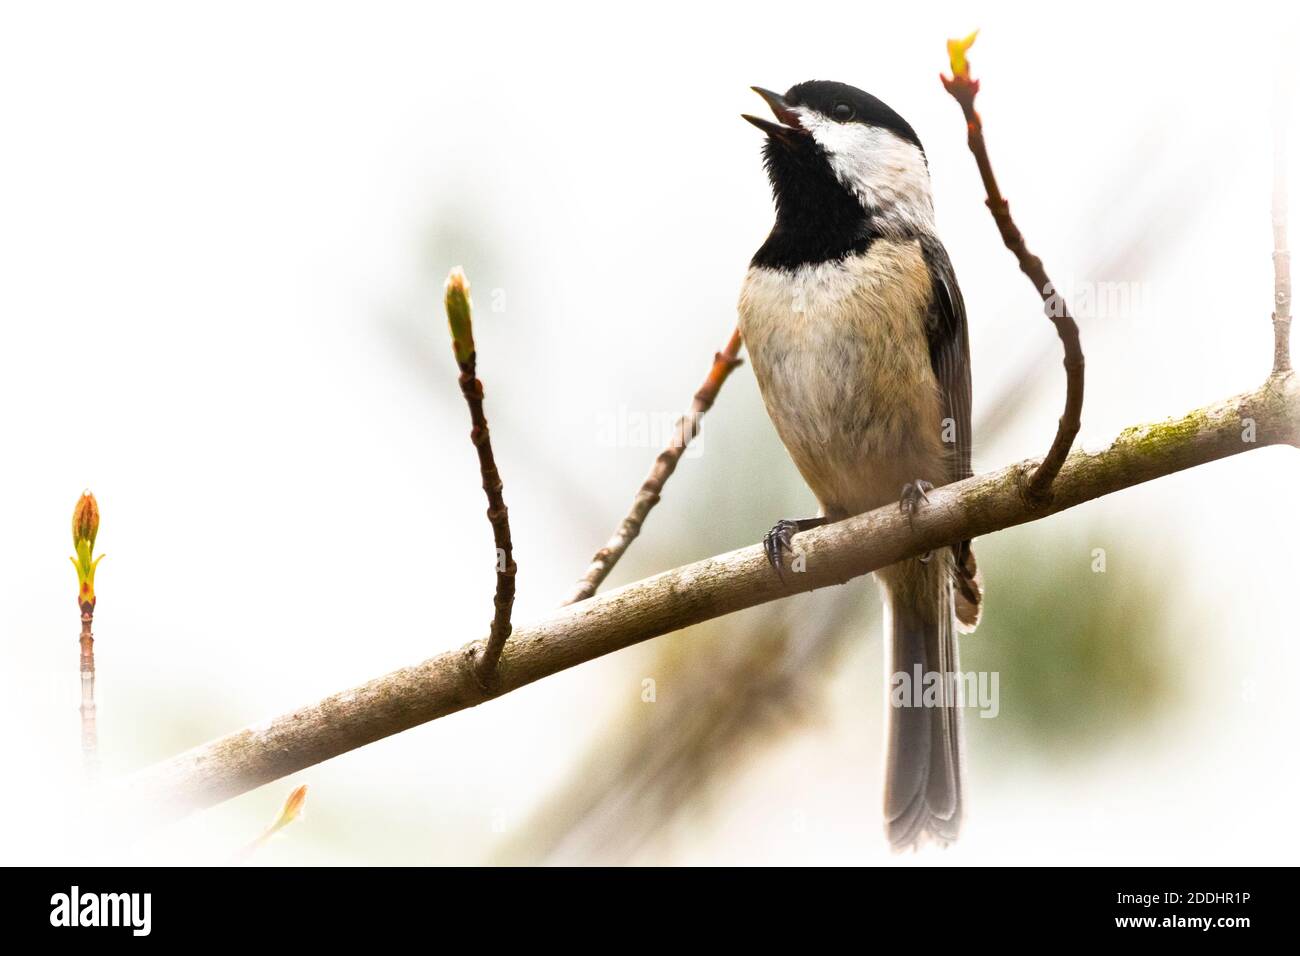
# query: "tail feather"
[923,777]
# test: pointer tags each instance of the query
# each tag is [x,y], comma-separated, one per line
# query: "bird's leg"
[780,538]
[909,500]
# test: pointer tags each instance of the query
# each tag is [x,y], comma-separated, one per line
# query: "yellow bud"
[292,807]
[291,810]
[957,55]
[85,519]
[459,311]
[85,527]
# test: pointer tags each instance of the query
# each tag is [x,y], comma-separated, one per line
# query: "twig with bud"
[963,89]
[85,527]
[688,426]
[460,318]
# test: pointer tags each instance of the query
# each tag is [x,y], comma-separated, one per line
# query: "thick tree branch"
[701,591]
[688,426]
[963,89]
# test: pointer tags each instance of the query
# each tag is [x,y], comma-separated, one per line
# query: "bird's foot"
[780,539]
[909,502]
[913,493]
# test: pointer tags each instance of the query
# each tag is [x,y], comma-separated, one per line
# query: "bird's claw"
[913,493]
[909,500]
[779,539]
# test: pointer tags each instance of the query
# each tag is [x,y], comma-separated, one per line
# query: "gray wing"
[950,352]
[950,359]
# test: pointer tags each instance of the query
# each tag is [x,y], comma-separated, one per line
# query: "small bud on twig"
[957,55]
[456,296]
[85,527]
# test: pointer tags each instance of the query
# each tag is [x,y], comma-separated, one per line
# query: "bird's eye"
[842,112]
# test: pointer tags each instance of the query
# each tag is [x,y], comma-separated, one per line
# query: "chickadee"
[857,333]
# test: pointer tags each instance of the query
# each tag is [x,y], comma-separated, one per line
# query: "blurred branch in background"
[1080,675]
[688,426]
[731,691]
[722,692]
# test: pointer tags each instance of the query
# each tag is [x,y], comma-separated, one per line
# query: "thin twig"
[699,592]
[963,89]
[1281,254]
[688,426]
[89,731]
[460,319]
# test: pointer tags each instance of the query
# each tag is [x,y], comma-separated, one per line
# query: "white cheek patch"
[886,172]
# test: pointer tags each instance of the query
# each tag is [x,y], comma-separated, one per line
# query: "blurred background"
[222,248]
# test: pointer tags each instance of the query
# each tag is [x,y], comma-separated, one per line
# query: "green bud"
[459,315]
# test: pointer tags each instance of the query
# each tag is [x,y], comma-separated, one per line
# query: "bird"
[857,334]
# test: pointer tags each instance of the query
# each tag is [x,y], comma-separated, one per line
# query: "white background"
[223,233]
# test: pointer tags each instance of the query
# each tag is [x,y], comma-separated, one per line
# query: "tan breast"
[841,357]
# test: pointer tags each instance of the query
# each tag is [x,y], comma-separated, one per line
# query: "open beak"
[789,125]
